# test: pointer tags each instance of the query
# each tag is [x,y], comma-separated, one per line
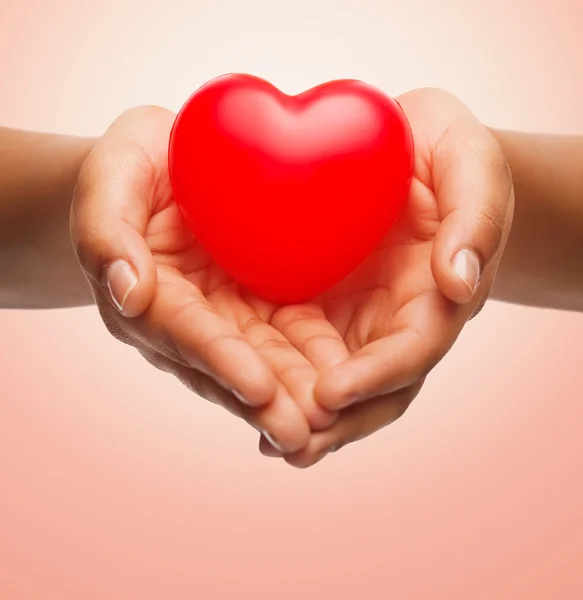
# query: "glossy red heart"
[289,194]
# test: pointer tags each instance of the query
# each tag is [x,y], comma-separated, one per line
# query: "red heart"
[289,194]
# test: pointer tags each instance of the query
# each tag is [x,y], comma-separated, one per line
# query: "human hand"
[157,290]
[403,309]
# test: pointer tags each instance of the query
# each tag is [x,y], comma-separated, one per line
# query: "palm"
[177,253]
[395,318]
[379,296]
[388,323]
[380,330]
[299,341]
[382,312]
[187,275]
[382,296]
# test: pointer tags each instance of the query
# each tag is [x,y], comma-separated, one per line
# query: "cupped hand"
[363,349]
[157,290]
[403,309]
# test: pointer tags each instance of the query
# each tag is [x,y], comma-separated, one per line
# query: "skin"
[404,308]
[37,178]
[542,264]
[311,377]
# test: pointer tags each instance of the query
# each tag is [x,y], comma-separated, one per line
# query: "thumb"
[473,185]
[109,216]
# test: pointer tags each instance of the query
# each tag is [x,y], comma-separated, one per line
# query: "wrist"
[543,261]
[38,174]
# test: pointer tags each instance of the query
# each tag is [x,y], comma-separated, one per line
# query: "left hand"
[403,309]
[158,291]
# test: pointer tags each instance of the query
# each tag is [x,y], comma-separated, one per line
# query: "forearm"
[543,261]
[38,268]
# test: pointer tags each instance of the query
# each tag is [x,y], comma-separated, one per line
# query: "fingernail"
[272,441]
[121,280]
[466,265]
[241,398]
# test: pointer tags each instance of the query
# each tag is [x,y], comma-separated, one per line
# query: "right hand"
[157,290]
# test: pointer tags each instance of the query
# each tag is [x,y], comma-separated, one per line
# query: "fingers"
[281,421]
[113,201]
[290,367]
[425,330]
[474,190]
[189,329]
[307,329]
[267,449]
[354,424]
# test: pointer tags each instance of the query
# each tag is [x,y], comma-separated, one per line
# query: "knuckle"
[274,344]
[249,324]
[491,220]
[210,348]
[106,160]
[287,316]
[448,143]
[488,149]
[319,338]
[124,162]
[498,162]
[203,355]
[295,371]
[86,242]
[142,127]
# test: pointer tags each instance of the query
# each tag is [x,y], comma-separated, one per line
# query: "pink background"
[117,484]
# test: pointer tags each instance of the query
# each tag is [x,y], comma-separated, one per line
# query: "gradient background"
[117,484]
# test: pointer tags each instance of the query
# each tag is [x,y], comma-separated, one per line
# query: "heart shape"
[289,194]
